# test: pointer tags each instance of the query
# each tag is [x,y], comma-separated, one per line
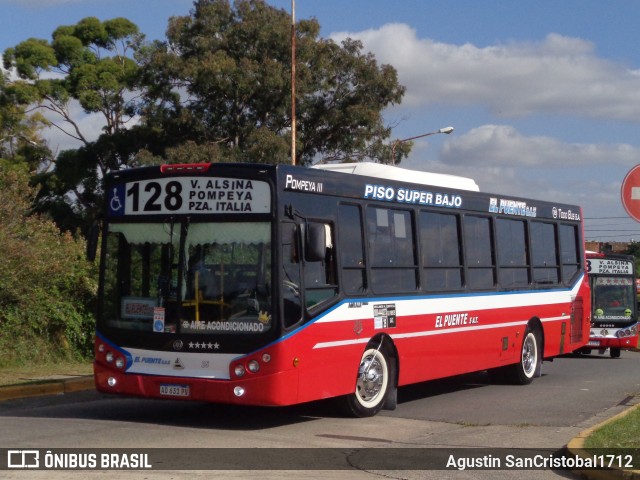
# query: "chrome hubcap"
[529,359]
[370,378]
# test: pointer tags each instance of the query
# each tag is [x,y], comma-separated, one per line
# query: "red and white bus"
[614,316]
[276,285]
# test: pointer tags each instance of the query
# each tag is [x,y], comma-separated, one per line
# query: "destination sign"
[189,195]
[609,266]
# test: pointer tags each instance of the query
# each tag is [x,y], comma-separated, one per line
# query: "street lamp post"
[446,130]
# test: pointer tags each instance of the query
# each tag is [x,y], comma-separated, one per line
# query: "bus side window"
[291,301]
[391,250]
[511,245]
[441,251]
[479,252]
[544,253]
[569,252]
[351,250]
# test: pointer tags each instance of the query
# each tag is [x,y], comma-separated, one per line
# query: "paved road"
[571,390]
[573,394]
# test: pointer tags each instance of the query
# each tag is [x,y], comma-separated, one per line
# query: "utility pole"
[293,82]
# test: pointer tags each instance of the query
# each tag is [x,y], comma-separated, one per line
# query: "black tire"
[498,376]
[391,403]
[614,352]
[523,372]
[373,383]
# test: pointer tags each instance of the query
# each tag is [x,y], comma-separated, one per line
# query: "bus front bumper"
[602,343]
[277,389]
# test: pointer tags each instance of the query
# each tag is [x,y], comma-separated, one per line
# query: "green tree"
[634,249]
[47,288]
[222,82]
[90,63]
[20,140]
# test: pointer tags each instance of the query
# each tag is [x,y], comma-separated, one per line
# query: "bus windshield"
[614,298]
[188,277]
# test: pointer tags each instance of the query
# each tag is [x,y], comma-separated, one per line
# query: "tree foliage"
[223,77]
[92,64]
[47,288]
[20,140]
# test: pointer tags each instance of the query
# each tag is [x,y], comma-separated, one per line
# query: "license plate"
[594,343]
[170,390]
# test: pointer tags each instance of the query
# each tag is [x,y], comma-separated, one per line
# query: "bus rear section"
[614,318]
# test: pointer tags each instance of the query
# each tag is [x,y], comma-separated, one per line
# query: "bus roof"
[619,256]
[390,172]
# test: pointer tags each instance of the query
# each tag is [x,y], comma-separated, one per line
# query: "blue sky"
[544,96]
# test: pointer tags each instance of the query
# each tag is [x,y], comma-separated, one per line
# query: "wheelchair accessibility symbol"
[116,204]
[116,201]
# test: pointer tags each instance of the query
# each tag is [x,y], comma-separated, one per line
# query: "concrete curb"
[576,447]
[47,387]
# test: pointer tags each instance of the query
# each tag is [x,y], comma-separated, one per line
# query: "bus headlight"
[120,362]
[109,357]
[239,371]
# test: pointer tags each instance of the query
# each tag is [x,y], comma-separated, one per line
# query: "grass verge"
[36,373]
[620,433]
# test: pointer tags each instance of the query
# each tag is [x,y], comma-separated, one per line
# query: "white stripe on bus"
[430,305]
[426,333]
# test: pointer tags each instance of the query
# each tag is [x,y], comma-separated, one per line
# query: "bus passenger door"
[320,276]
[290,283]
[308,269]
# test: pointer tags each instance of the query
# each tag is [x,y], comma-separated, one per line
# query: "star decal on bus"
[204,346]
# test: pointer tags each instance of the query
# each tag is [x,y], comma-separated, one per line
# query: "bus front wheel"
[614,352]
[373,383]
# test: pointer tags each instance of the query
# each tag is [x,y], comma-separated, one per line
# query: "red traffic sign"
[630,193]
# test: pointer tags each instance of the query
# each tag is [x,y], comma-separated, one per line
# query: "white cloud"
[495,145]
[91,126]
[503,160]
[559,74]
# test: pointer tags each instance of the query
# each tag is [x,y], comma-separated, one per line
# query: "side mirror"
[315,242]
[92,242]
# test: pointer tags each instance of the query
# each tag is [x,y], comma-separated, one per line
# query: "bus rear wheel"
[373,383]
[523,372]
[614,352]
